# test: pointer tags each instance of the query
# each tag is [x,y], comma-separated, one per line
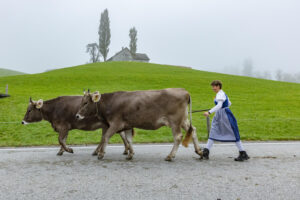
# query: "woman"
[224,127]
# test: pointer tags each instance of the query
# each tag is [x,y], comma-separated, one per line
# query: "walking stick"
[207,120]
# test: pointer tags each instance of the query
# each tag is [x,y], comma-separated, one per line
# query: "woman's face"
[216,89]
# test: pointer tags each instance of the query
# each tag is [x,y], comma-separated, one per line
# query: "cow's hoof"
[125,152]
[130,156]
[70,150]
[60,153]
[100,157]
[201,158]
[94,153]
[168,158]
[199,152]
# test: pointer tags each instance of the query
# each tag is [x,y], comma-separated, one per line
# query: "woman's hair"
[216,83]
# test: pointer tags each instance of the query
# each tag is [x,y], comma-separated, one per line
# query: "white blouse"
[220,98]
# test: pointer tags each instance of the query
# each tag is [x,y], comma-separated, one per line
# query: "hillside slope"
[8,72]
[266,110]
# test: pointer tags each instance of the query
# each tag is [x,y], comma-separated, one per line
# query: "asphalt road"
[273,172]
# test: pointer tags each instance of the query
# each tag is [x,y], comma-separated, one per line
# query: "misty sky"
[38,35]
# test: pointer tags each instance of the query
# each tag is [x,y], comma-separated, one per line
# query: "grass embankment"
[265,110]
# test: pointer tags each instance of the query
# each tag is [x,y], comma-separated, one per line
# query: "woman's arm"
[217,107]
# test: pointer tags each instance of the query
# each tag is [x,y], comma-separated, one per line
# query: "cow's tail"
[133,132]
[188,135]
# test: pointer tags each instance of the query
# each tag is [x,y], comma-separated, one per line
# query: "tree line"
[101,49]
[248,69]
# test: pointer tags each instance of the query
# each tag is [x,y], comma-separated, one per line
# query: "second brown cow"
[148,110]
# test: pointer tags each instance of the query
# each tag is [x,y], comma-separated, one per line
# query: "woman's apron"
[224,126]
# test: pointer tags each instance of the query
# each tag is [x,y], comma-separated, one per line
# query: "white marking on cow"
[24,122]
[163,120]
[79,116]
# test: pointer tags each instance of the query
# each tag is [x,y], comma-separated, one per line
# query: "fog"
[208,35]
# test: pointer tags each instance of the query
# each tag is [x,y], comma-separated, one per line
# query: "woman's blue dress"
[224,126]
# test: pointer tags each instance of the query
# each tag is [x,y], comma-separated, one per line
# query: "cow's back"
[148,98]
[141,108]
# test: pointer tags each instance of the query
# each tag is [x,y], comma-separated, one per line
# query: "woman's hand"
[206,114]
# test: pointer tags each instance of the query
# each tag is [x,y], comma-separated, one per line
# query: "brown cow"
[60,112]
[148,110]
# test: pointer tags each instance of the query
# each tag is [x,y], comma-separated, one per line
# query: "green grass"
[8,72]
[265,110]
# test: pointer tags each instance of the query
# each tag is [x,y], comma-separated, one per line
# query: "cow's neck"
[98,112]
[100,109]
[46,111]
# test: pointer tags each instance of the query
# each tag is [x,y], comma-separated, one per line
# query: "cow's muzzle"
[78,116]
[24,122]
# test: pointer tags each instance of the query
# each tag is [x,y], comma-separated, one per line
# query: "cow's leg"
[129,139]
[61,151]
[122,134]
[177,135]
[105,138]
[196,143]
[186,127]
[95,153]
[62,142]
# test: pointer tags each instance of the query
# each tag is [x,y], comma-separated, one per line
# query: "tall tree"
[297,77]
[93,50]
[133,40]
[279,75]
[104,34]
[248,67]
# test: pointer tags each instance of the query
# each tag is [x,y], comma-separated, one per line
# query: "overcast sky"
[37,35]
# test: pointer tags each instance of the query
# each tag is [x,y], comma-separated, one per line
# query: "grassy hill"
[266,110]
[8,72]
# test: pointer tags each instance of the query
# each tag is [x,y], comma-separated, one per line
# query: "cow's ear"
[30,100]
[96,97]
[39,104]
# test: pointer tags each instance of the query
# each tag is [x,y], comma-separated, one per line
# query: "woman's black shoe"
[206,153]
[243,156]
